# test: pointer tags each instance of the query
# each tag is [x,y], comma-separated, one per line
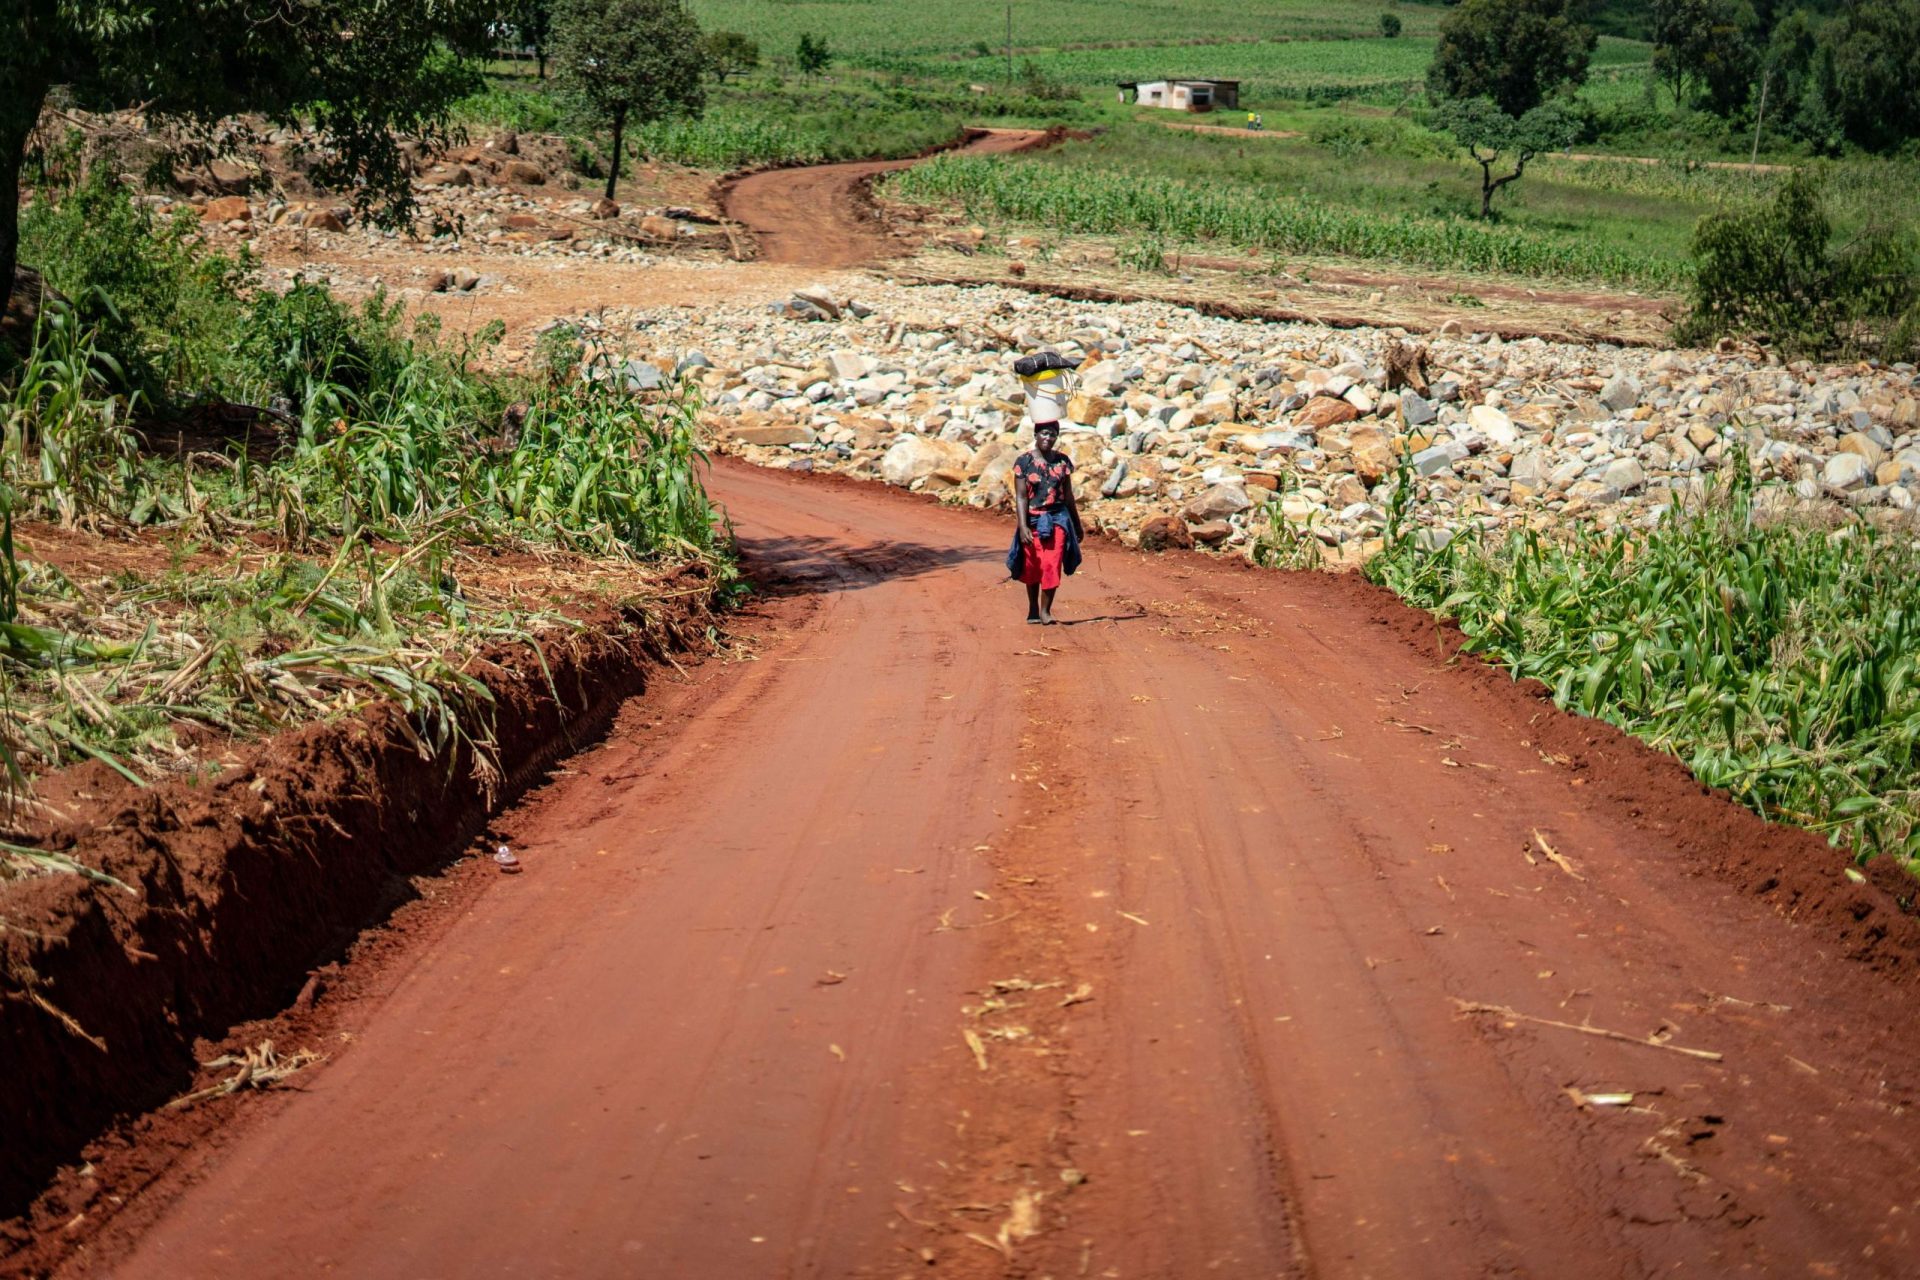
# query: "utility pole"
[1009,42]
[1760,116]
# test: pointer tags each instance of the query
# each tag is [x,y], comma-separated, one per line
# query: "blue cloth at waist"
[1044,523]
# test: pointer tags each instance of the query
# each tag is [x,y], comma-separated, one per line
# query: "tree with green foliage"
[1390,25]
[1515,52]
[627,62]
[813,55]
[1871,71]
[362,73]
[729,53]
[1705,46]
[532,22]
[1491,136]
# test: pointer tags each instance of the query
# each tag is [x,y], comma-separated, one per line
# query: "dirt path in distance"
[1237,131]
[1229,930]
[820,216]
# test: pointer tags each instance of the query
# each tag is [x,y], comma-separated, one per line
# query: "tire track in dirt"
[1258,825]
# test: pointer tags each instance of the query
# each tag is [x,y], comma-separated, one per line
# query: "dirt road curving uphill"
[1229,930]
[819,216]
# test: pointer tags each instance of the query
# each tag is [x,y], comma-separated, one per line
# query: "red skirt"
[1040,565]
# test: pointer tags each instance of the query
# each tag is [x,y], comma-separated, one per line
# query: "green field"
[888,35]
[1077,193]
[1301,69]
[1363,177]
[1379,186]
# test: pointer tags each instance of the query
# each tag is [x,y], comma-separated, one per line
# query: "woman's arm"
[1020,529]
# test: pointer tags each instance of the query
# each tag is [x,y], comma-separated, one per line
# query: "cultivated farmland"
[891,35]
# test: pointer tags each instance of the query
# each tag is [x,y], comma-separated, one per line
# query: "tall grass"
[1779,659]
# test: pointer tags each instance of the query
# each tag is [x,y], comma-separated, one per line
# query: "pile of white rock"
[1185,427]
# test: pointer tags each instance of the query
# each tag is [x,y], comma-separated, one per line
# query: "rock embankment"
[1184,426]
[511,195]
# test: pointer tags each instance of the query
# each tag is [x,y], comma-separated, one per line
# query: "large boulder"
[1164,533]
[772,433]
[1373,454]
[1846,471]
[916,457]
[994,482]
[227,209]
[231,177]
[1620,393]
[1324,411]
[1218,502]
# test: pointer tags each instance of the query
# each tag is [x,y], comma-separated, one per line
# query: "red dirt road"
[1129,948]
[819,216]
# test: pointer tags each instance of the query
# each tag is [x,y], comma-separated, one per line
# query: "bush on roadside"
[1773,270]
[294,342]
[166,306]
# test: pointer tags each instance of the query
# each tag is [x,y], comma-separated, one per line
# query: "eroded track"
[821,215]
[1173,942]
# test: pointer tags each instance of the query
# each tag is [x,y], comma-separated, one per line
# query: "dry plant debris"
[260,1067]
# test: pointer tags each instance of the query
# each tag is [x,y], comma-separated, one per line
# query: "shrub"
[812,55]
[305,337]
[1772,270]
[165,305]
[1390,25]
[1036,83]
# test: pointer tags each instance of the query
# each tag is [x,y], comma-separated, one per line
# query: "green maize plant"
[600,470]
[1778,658]
[67,444]
[1104,202]
[728,139]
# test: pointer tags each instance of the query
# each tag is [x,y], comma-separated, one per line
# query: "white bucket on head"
[1048,405]
[1047,396]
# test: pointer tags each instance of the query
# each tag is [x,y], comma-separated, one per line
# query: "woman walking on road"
[1047,531]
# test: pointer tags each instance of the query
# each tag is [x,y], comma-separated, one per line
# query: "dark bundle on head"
[1041,362]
